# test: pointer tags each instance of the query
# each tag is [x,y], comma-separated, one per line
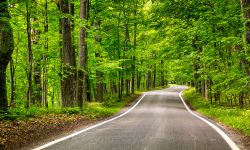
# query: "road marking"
[223,134]
[89,128]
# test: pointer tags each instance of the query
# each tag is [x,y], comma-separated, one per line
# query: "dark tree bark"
[72,13]
[119,57]
[12,84]
[162,74]
[61,52]
[245,5]
[45,61]
[30,56]
[68,60]
[6,50]
[138,80]
[82,56]
[135,43]
[126,47]
[37,88]
[99,74]
[154,74]
[148,80]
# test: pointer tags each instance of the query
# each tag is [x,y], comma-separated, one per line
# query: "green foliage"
[181,41]
[233,117]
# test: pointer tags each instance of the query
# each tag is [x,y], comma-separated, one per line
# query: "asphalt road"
[159,122]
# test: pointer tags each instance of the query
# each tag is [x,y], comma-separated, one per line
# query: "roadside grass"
[233,117]
[90,110]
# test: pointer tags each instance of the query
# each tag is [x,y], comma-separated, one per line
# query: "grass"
[233,117]
[91,110]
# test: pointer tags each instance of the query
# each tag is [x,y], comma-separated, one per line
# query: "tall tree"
[35,33]
[135,43]
[245,5]
[30,54]
[82,55]
[45,59]
[99,74]
[68,59]
[6,49]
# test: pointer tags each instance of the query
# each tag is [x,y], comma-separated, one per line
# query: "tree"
[6,49]
[245,5]
[82,54]
[68,59]
[30,54]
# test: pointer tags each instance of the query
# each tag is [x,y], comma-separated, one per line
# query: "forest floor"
[31,132]
[234,121]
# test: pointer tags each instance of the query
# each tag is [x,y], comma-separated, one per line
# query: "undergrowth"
[90,110]
[234,117]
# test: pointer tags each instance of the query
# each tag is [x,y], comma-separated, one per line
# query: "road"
[159,122]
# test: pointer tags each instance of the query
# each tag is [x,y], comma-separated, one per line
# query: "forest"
[65,53]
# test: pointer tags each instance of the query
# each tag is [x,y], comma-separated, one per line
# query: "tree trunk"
[148,82]
[154,74]
[6,50]
[154,77]
[241,100]
[68,60]
[133,65]
[126,42]
[245,6]
[72,13]
[30,56]
[119,57]
[162,74]
[203,88]
[12,84]
[82,56]
[37,88]
[45,61]
[99,84]
[138,80]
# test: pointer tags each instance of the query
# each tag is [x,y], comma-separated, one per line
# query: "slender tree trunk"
[37,88]
[99,75]
[135,43]
[241,100]
[154,74]
[82,56]
[126,42]
[119,57]
[45,61]
[61,53]
[139,78]
[30,56]
[68,59]
[148,82]
[245,6]
[162,74]
[6,50]
[99,84]
[203,89]
[12,84]
[154,77]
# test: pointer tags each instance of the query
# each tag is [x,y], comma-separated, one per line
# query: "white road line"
[89,128]
[223,134]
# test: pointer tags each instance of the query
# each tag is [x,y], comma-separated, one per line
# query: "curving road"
[159,122]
